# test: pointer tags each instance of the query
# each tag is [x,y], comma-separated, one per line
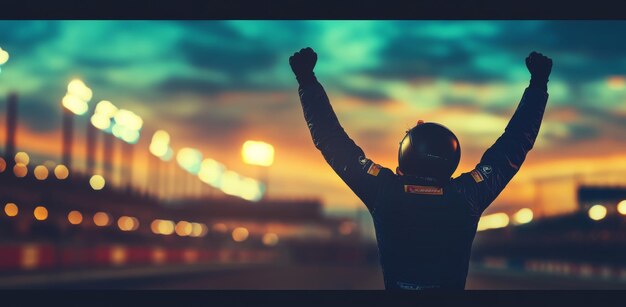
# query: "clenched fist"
[302,64]
[539,66]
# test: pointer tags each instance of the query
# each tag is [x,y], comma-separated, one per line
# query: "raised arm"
[347,159]
[501,161]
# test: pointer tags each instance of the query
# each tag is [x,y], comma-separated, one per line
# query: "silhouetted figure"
[425,221]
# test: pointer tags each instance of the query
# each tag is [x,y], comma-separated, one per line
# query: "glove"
[539,67]
[302,64]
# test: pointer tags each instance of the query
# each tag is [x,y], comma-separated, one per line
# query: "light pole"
[161,150]
[74,103]
[101,119]
[122,124]
[127,127]
[260,154]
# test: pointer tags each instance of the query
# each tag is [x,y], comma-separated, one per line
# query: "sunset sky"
[215,84]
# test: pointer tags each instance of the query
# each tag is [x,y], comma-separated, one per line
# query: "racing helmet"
[429,150]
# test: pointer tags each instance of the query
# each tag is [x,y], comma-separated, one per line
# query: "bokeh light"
[211,172]
[78,89]
[41,172]
[101,219]
[159,145]
[183,228]
[97,182]
[127,223]
[22,157]
[597,212]
[40,213]
[240,234]
[105,109]
[99,121]
[258,153]
[523,216]
[493,221]
[199,230]
[3,165]
[75,217]
[20,170]
[75,105]
[189,159]
[10,209]
[4,56]
[621,207]
[163,227]
[61,172]
[270,239]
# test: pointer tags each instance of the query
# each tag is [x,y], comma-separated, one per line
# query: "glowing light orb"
[40,213]
[258,153]
[61,172]
[101,219]
[523,216]
[4,56]
[621,207]
[270,239]
[10,209]
[240,234]
[22,157]
[20,170]
[75,217]
[97,182]
[597,212]
[493,221]
[41,172]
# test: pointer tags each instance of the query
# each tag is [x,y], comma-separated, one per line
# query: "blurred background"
[174,154]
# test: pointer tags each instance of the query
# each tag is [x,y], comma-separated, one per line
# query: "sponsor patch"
[477,176]
[363,160]
[421,189]
[374,169]
[486,170]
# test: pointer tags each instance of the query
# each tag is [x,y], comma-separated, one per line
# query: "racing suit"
[424,229]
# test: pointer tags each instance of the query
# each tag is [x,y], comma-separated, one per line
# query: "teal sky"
[214,84]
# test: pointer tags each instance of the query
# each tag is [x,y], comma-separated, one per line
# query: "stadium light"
[261,154]
[159,146]
[211,172]
[77,97]
[257,153]
[127,126]
[189,159]
[4,56]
